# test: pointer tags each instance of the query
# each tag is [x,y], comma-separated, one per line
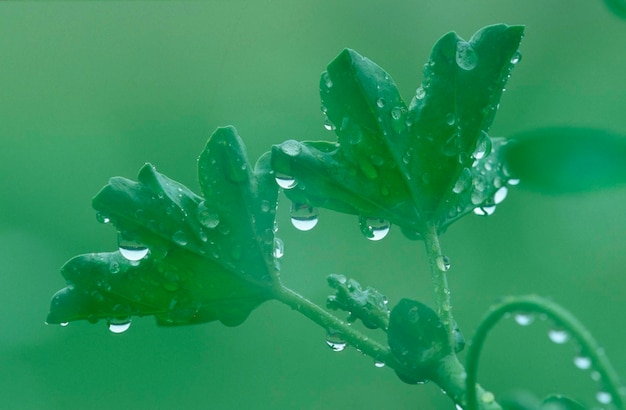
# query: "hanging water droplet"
[443,263]
[63,324]
[131,250]
[604,397]
[463,182]
[328,124]
[335,341]
[517,57]
[484,210]
[207,217]
[500,195]
[291,148]
[119,325]
[279,248]
[582,362]
[513,181]
[103,219]
[450,118]
[380,102]
[379,364]
[420,93]
[180,238]
[285,181]
[303,216]
[558,336]
[466,56]
[483,146]
[524,319]
[374,229]
[327,81]
[396,113]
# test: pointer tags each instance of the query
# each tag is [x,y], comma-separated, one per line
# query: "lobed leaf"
[408,165]
[209,258]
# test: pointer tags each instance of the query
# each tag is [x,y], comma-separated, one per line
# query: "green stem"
[328,321]
[439,280]
[562,318]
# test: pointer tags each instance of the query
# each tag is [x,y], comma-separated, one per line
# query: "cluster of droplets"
[581,360]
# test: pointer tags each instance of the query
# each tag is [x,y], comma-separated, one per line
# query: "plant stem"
[439,280]
[328,321]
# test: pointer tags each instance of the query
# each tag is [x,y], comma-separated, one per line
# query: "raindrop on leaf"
[303,216]
[374,229]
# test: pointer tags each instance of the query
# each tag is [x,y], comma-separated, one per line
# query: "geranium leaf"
[408,165]
[209,258]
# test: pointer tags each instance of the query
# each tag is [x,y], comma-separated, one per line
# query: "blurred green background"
[89,90]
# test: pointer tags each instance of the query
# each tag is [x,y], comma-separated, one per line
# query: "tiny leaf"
[209,258]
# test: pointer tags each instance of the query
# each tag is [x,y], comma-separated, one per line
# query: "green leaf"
[566,160]
[418,339]
[209,258]
[408,165]
[558,402]
[368,305]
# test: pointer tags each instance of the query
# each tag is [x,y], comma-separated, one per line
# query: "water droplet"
[328,124]
[582,362]
[524,319]
[114,267]
[466,56]
[279,248]
[517,57]
[207,217]
[513,181]
[291,148]
[485,210]
[335,341]
[450,118]
[558,336]
[285,181]
[131,250]
[500,195]
[180,238]
[265,206]
[103,219]
[463,182]
[483,146]
[420,93]
[487,397]
[63,324]
[119,325]
[443,263]
[303,216]
[604,397]
[380,102]
[396,113]
[379,364]
[374,229]
[327,81]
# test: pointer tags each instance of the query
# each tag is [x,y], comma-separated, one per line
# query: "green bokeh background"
[90,90]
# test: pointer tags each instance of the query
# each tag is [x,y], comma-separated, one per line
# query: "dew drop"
[374,229]
[379,364]
[517,57]
[466,56]
[513,181]
[103,219]
[450,118]
[279,248]
[558,336]
[380,102]
[63,324]
[604,397]
[582,362]
[485,210]
[483,146]
[180,238]
[335,341]
[500,195]
[328,124]
[285,181]
[524,319]
[207,217]
[443,263]
[463,182]
[303,216]
[327,81]
[119,325]
[131,250]
[420,93]
[291,148]
[396,113]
